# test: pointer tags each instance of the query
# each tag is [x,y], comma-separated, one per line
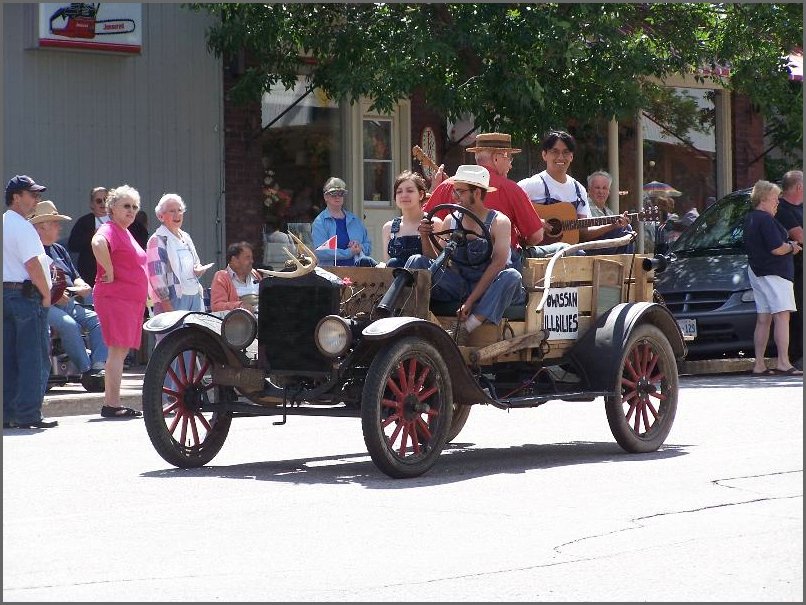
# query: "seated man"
[486,290]
[236,287]
[599,184]
[64,315]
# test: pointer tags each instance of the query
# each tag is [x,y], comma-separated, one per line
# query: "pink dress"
[121,303]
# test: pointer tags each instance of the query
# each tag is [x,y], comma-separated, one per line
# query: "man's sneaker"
[39,424]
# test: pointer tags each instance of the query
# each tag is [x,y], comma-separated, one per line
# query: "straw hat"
[478,176]
[494,141]
[46,211]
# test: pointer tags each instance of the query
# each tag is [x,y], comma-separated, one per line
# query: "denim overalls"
[457,282]
[401,247]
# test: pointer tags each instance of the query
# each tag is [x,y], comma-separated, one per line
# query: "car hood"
[726,272]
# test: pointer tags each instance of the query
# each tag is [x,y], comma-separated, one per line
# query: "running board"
[533,401]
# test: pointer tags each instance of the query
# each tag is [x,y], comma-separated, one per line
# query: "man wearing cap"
[26,298]
[64,315]
[339,237]
[494,152]
[484,290]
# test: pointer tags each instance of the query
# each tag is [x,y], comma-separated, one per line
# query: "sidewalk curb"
[72,400]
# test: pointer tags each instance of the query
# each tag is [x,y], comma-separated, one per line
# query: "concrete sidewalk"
[72,400]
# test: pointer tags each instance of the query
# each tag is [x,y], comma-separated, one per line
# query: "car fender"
[465,388]
[597,354]
[206,323]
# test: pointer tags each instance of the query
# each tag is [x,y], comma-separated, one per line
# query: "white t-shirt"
[535,187]
[21,243]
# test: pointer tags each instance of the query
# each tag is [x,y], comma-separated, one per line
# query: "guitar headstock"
[419,155]
[649,213]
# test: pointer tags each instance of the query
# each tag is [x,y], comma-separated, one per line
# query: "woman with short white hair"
[173,264]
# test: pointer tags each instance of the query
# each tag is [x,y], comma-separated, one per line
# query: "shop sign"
[91,26]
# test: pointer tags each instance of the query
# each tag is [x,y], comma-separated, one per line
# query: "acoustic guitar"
[562,224]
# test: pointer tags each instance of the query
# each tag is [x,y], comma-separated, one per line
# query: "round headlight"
[333,336]
[239,328]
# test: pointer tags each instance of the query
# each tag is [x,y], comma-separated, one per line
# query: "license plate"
[688,327]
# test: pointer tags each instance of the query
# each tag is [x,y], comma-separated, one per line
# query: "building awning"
[796,66]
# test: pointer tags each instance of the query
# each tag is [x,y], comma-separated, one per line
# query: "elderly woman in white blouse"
[173,264]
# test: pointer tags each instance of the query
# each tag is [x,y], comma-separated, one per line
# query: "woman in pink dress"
[120,292]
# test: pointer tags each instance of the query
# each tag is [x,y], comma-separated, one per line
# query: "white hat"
[470,174]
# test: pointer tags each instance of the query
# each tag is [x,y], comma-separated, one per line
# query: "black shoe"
[39,424]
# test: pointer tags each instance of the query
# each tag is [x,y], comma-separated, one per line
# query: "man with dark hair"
[554,184]
[26,299]
[236,287]
[790,215]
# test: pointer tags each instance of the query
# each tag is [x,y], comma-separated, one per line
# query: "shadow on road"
[458,462]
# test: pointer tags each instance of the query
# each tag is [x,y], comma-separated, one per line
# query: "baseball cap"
[334,184]
[22,182]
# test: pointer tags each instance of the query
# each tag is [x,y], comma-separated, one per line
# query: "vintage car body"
[368,342]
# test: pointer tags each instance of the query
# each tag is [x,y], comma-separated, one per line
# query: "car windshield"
[720,227]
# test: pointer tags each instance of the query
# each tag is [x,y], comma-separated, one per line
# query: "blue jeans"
[26,357]
[446,285]
[68,321]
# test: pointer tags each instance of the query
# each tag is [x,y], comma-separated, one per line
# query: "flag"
[329,244]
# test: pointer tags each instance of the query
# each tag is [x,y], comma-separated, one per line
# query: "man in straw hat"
[494,152]
[26,298]
[485,290]
[64,315]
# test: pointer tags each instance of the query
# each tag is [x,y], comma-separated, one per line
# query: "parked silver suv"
[705,285]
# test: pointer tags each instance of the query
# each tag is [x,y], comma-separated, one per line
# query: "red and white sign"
[91,26]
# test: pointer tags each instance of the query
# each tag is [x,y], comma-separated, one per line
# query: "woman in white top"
[173,264]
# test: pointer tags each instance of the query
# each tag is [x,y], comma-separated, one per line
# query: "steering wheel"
[460,233]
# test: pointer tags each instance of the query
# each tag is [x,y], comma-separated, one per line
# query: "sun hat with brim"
[46,211]
[477,176]
[494,141]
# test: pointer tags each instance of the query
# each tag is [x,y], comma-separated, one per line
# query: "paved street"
[531,505]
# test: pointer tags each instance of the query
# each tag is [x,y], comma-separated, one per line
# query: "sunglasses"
[100,200]
[337,193]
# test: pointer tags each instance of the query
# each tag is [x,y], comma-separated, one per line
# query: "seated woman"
[401,237]
[339,237]
[236,287]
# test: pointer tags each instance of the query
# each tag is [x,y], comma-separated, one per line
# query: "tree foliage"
[520,68]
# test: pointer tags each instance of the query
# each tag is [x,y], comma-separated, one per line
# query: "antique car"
[369,343]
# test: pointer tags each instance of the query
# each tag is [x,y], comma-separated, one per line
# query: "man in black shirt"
[790,215]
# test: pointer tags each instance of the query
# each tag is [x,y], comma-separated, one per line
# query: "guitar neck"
[579,223]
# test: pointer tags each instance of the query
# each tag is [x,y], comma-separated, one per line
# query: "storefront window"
[680,148]
[378,177]
[301,148]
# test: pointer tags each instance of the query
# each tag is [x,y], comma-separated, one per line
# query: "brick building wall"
[748,143]
[243,172]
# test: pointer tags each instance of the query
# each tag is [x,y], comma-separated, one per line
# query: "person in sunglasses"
[120,292]
[80,240]
[339,236]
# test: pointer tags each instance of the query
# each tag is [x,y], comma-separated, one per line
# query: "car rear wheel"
[406,408]
[641,416]
[178,392]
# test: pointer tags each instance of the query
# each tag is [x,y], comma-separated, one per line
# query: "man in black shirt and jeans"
[790,215]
